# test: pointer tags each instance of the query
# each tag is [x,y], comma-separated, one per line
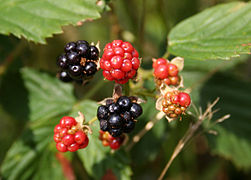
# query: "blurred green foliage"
[32,101]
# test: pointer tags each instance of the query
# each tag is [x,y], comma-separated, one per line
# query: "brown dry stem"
[207,115]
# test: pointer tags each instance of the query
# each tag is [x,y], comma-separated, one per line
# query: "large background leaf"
[219,32]
[233,138]
[35,149]
[35,20]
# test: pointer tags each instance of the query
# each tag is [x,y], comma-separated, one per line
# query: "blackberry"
[102,112]
[115,121]
[135,110]
[70,47]
[128,127]
[82,42]
[127,116]
[104,125]
[73,57]
[78,62]
[116,132]
[64,76]
[124,102]
[93,53]
[75,71]
[62,61]
[114,108]
[108,102]
[90,68]
[82,49]
[119,116]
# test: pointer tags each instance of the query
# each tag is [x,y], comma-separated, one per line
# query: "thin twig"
[188,135]
[92,120]
[147,128]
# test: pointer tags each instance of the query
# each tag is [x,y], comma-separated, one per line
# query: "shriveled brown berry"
[173,115]
[165,110]
[174,80]
[178,111]
[165,103]
[183,108]
[171,107]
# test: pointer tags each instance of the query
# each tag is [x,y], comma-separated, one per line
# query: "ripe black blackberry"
[119,117]
[79,62]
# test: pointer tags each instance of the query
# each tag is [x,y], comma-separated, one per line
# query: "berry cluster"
[175,103]
[108,140]
[68,137]
[119,62]
[166,72]
[118,117]
[79,62]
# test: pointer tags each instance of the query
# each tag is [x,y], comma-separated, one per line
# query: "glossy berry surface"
[70,46]
[93,53]
[119,117]
[175,103]
[165,72]
[119,62]
[64,76]
[62,62]
[79,62]
[108,140]
[68,137]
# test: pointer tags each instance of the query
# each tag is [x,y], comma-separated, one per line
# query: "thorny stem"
[190,134]
[147,128]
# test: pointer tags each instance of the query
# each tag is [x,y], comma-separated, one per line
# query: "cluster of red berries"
[119,62]
[68,136]
[108,140]
[175,103]
[166,72]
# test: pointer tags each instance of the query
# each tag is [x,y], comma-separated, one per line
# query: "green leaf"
[48,97]
[149,146]
[220,32]
[96,158]
[31,153]
[36,20]
[233,138]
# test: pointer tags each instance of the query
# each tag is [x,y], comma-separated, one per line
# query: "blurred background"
[146,24]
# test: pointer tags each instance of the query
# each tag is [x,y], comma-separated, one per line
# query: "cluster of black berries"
[119,117]
[79,62]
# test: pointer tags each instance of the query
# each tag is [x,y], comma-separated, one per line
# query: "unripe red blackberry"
[165,72]
[108,140]
[68,137]
[119,62]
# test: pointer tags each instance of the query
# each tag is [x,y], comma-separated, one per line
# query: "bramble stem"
[92,120]
[190,134]
[166,55]
[127,88]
